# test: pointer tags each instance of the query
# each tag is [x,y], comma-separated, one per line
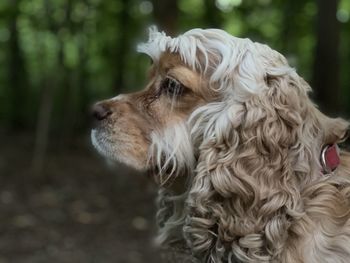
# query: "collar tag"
[330,159]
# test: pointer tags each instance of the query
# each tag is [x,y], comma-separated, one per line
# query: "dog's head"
[202,86]
[131,126]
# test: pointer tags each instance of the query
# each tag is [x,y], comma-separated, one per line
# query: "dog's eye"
[172,86]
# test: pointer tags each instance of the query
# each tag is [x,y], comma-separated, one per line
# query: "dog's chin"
[114,152]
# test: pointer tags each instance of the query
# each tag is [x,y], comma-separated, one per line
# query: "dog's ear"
[245,192]
[295,91]
[253,155]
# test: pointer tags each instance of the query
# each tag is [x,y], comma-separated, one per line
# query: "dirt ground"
[79,210]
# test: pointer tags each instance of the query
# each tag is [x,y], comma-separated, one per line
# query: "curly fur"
[254,190]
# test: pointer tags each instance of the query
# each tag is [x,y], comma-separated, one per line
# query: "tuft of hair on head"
[236,67]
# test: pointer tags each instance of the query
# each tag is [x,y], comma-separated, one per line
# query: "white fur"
[172,149]
[112,151]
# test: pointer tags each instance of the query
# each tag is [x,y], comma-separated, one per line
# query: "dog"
[249,170]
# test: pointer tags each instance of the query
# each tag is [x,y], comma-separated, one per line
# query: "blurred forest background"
[58,201]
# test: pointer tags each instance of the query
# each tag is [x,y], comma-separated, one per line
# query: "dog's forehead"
[166,62]
[169,60]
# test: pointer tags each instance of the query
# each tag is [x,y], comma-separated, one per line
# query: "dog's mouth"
[116,149]
[100,143]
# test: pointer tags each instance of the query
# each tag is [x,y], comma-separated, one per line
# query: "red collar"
[330,159]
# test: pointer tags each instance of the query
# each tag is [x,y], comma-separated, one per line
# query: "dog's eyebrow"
[186,76]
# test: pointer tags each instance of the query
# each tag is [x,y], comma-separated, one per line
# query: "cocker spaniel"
[248,168]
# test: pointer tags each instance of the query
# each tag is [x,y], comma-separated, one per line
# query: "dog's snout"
[101,111]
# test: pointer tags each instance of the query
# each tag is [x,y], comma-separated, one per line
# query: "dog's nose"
[101,111]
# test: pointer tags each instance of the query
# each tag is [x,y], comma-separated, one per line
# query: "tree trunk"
[43,125]
[83,100]
[123,39]
[17,72]
[290,9]
[326,63]
[49,84]
[166,15]
[212,16]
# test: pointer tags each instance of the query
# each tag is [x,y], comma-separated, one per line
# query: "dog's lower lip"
[95,141]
